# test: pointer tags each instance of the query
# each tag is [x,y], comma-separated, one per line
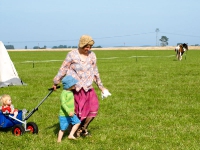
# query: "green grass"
[154,103]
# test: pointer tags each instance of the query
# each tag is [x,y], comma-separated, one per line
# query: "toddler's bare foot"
[71,137]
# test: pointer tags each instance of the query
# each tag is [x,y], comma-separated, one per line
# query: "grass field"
[154,104]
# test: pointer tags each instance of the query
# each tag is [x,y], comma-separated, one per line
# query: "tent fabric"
[8,73]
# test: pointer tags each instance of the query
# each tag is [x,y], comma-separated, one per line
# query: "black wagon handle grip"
[57,87]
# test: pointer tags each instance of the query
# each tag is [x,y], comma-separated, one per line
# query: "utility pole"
[157,30]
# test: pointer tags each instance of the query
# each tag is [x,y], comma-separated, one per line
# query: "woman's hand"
[54,87]
[105,93]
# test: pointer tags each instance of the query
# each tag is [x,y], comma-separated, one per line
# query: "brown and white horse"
[180,49]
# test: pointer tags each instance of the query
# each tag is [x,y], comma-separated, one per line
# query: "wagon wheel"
[18,130]
[32,127]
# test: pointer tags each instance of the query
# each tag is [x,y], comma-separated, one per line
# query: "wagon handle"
[36,108]
[57,87]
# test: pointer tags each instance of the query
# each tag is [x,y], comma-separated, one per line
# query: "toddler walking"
[66,114]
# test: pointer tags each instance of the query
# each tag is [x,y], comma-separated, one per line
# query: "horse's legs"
[177,54]
[180,56]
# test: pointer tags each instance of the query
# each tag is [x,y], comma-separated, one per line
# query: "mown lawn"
[154,103]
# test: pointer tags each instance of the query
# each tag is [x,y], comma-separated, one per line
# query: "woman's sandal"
[78,133]
[85,133]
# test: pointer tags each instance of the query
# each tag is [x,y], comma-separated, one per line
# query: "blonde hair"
[4,98]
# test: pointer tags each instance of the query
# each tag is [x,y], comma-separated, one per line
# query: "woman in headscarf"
[81,64]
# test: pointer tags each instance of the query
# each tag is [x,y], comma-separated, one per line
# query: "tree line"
[44,47]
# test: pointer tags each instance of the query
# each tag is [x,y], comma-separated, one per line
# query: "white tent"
[8,73]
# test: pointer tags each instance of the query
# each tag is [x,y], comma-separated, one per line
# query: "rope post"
[33,64]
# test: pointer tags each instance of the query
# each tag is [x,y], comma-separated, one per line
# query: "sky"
[111,23]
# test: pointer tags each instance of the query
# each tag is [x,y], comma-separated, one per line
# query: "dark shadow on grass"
[175,60]
[5,130]
[56,128]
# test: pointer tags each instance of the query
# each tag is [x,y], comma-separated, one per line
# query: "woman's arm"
[97,79]
[63,69]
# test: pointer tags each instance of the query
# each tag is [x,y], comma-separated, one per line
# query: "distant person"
[66,114]
[81,64]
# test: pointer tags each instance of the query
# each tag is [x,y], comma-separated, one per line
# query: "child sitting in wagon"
[7,107]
